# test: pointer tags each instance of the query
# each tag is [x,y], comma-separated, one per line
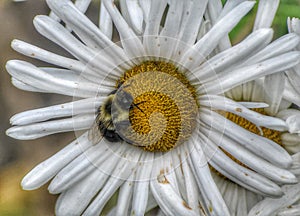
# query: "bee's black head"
[124,99]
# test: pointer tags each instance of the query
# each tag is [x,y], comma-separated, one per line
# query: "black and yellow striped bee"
[113,117]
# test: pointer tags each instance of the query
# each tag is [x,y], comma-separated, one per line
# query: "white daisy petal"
[281,45]
[145,5]
[251,72]
[155,15]
[38,78]
[190,22]
[169,173]
[54,16]
[291,142]
[241,202]
[119,175]
[171,29]
[85,106]
[141,188]
[273,95]
[285,114]
[82,5]
[151,202]
[220,103]
[291,116]
[236,93]
[269,206]
[241,175]
[252,199]
[293,75]
[125,197]
[257,90]
[178,159]
[229,5]
[290,94]
[81,166]
[294,26]
[60,73]
[80,194]
[260,146]
[42,129]
[296,164]
[292,139]
[152,27]
[169,201]
[290,211]
[237,198]
[212,197]
[284,104]
[25,87]
[204,28]
[226,59]
[265,13]
[247,90]
[249,159]
[191,187]
[214,8]
[231,196]
[88,32]
[195,56]
[46,56]
[136,15]
[253,105]
[105,21]
[251,180]
[59,35]
[67,11]
[130,42]
[215,12]
[293,123]
[43,172]
[167,198]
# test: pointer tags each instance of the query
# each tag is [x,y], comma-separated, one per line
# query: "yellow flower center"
[164,108]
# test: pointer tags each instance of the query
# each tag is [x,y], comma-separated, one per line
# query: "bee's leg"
[113,92]
[111,136]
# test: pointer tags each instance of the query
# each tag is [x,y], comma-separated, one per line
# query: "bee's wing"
[94,134]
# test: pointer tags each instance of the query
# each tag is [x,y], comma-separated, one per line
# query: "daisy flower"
[149,111]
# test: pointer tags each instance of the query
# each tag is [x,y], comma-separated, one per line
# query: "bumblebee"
[113,117]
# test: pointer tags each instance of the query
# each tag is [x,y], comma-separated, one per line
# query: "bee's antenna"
[136,105]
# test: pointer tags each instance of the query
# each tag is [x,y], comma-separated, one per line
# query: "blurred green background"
[18,157]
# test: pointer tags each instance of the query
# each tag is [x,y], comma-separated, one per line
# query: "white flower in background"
[289,203]
[270,90]
[172,66]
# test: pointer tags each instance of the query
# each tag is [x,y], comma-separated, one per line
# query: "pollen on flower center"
[164,108]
